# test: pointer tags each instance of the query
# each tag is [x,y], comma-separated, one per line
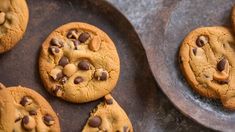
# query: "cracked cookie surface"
[79,63]
[14,17]
[207,61]
[108,117]
[32,112]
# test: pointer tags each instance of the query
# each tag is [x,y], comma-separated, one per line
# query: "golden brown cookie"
[14,17]
[207,61]
[108,117]
[32,112]
[79,63]
[7,111]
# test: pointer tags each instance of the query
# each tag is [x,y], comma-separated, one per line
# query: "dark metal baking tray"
[20,65]
[167,28]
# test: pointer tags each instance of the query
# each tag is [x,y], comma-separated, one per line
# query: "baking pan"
[173,24]
[20,65]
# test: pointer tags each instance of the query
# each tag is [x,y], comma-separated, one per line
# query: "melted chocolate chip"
[56,89]
[70,34]
[25,120]
[78,80]
[76,44]
[54,50]
[64,61]
[103,76]
[84,37]
[221,64]
[56,42]
[59,76]
[48,120]
[109,101]
[32,112]
[84,65]
[95,121]
[201,41]
[24,101]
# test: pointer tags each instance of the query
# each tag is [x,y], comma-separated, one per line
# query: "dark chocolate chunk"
[201,41]
[48,120]
[95,121]
[78,80]
[84,65]
[25,120]
[32,112]
[84,37]
[64,61]
[221,64]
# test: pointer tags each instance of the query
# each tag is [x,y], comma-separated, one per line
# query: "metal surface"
[162,25]
[20,65]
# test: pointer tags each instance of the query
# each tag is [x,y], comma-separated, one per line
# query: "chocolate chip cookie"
[79,63]
[7,111]
[32,112]
[207,61]
[108,117]
[14,17]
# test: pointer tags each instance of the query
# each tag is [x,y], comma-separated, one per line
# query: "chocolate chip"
[25,120]
[78,80]
[201,41]
[32,112]
[101,74]
[48,120]
[64,61]
[84,37]
[54,50]
[84,65]
[59,76]
[104,76]
[56,42]
[18,119]
[64,80]
[76,44]
[95,121]
[56,89]
[109,101]
[223,81]
[28,123]
[72,34]
[221,64]
[194,51]
[25,101]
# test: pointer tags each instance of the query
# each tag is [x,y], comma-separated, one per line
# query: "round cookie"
[32,112]
[79,63]
[7,111]
[14,17]
[207,61]
[108,117]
